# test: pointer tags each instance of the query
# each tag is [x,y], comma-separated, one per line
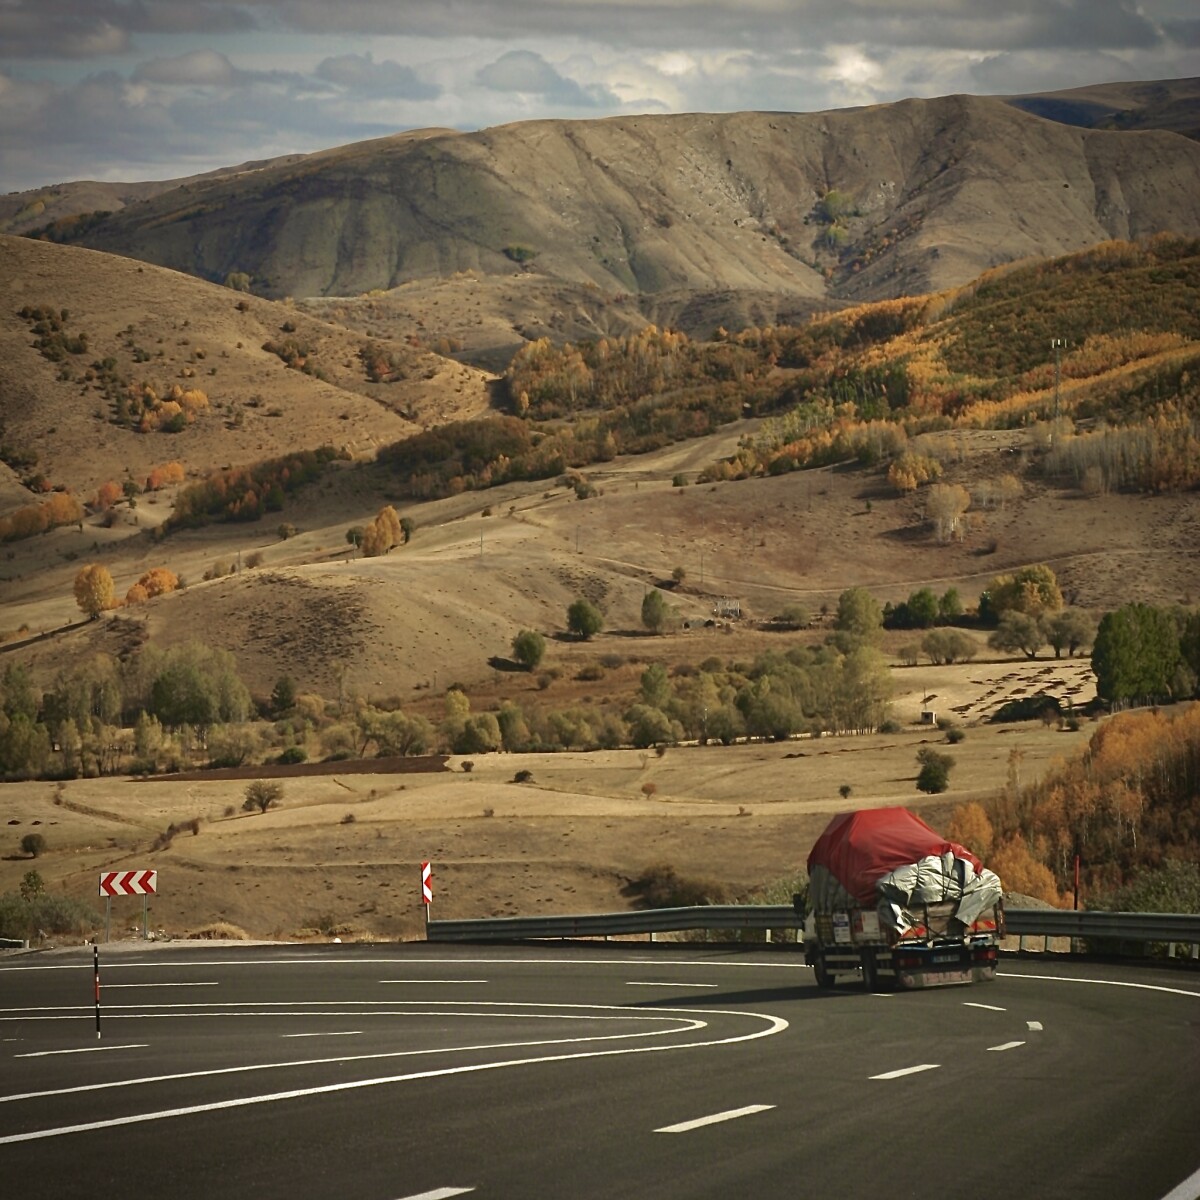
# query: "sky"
[159,89]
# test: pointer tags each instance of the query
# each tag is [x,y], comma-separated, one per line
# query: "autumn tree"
[1033,590]
[107,494]
[970,826]
[94,591]
[384,532]
[945,505]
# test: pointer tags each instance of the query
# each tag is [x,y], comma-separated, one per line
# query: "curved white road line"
[687,1024]
[1145,987]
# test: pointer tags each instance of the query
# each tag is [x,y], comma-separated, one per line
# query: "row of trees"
[95,591]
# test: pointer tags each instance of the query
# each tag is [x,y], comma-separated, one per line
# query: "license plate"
[945,958]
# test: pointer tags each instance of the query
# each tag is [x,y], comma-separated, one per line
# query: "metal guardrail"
[1021,922]
[1109,926]
[648,920]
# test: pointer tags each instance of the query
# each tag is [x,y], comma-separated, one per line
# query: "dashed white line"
[82,1050]
[1033,1026]
[328,1033]
[907,1071]
[729,1115]
[440,1194]
[1006,1046]
[433,981]
[649,983]
[198,983]
[989,1007]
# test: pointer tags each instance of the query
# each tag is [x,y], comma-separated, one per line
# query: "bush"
[954,735]
[935,770]
[33,844]
[293,754]
[468,766]
[523,776]
[660,887]
[529,647]
[262,794]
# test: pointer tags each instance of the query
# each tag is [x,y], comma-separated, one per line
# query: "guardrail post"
[651,936]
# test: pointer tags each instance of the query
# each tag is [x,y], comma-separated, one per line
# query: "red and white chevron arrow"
[129,883]
[426,883]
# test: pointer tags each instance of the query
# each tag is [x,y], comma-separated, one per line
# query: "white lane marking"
[730,1115]
[990,1007]
[1146,987]
[433,981]
[329,1033]
[1189,1189]
[774,1025]
[440,1194]
[1006,1046]
[907,1071]
[655,983]
[658,965]
[1034,1026]
[82,1050]
[199,983]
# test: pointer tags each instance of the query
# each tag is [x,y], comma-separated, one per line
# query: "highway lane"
[403,1071]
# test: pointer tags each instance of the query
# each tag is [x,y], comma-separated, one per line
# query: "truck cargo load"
[891,898]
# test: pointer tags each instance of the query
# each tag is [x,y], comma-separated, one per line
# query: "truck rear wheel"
[822,975]
[870,970]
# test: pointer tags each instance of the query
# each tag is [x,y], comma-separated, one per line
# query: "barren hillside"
[701,219]
[163,328]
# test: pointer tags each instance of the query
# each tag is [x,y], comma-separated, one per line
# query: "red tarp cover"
[859,848]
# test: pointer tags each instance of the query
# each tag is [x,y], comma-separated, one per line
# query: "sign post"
[426,893]
[128,883]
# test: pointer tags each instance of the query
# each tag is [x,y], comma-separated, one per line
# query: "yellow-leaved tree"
[94,590]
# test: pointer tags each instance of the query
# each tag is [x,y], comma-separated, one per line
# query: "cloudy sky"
[152,89]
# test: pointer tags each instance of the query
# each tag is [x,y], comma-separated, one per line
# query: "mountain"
[692,220]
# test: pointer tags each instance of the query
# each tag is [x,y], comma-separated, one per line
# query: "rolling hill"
[693,220]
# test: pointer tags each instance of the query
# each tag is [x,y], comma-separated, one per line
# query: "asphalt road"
[382,1073]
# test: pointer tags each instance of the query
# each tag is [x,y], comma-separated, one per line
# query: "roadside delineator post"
[96,975]
[426,893]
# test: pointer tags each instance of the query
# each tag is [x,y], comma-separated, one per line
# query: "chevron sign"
[129,883]
[426,883]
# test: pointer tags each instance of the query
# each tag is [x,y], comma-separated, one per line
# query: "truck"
[893,902]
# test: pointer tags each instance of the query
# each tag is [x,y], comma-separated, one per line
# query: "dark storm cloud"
[92,28]
[692,24]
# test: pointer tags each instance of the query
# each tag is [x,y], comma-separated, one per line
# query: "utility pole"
[1056,344]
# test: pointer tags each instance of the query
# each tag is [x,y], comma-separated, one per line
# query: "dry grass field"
[341,853]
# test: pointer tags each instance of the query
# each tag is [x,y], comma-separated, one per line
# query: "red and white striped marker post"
[426,889]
